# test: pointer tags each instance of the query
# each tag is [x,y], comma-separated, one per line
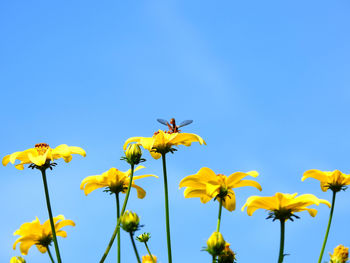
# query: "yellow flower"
[283,206]
[215,244]
[335,180]
[34,233]
[148,259]
[17,260]
[207,185]
[116,181]
[162,142]
[41,153]
[340,254]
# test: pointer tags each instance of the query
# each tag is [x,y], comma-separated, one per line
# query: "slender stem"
[117,228]
[219,216]
[149,252]
[166,208]
[214,259]
[118,215]
[134,246]
[328,227]
[49,252]
[281,255]
[43,172]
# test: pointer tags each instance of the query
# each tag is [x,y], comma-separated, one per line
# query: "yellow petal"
[5,160]
[61,233]
[190,192]
[64,223]
[248,183]
[143,176]
[140,192]
[193,181]
[312,212]
[316,174]
[237,176]
[213,190]
[42,249]
[130,140]
[229,202]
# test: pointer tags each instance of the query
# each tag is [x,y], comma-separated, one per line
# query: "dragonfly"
[172,125]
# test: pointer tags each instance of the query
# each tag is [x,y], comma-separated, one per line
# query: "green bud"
[133,154]
[143,237]
[216,244]
[130,221]
[227,255]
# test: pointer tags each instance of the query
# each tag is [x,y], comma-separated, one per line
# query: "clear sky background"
[266,83]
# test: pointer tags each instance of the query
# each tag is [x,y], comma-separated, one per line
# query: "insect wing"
[162,121]
[184,123]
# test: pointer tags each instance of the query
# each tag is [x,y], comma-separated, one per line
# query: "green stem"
[134,246]
[117,228]
[214,259]
[166,208]
[328,227]
[43,172]
[149,253]
[219,216]
[280,258]
[49,252]
[118,215]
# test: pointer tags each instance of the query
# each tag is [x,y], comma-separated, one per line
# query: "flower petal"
[248,183]
[316,174]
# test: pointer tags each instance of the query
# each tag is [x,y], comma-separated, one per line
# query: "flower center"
[41,148]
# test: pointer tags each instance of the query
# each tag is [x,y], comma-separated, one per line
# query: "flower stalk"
[166,208]
[43,172]
[118,234]
[117,228]
[219,216]
[134,246]
[328,227]
[149,252]
[49,252]
[281,254]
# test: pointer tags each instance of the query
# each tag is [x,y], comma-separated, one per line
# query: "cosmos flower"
[162,142]
[115,181]
[207,185]
[283,206]
[335,180]
[41,153]
[40,235]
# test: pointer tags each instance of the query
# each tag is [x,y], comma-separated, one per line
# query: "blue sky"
[266,84]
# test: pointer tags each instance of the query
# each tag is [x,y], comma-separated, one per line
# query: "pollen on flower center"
[41,148]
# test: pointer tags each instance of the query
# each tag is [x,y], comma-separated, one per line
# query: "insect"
[172,125]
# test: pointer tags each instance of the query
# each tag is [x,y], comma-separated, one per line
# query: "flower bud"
[227,255]
[148,259]
[17,260]
[130,221]
[216,244]
[340,254]
[144,237]
[133,154]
